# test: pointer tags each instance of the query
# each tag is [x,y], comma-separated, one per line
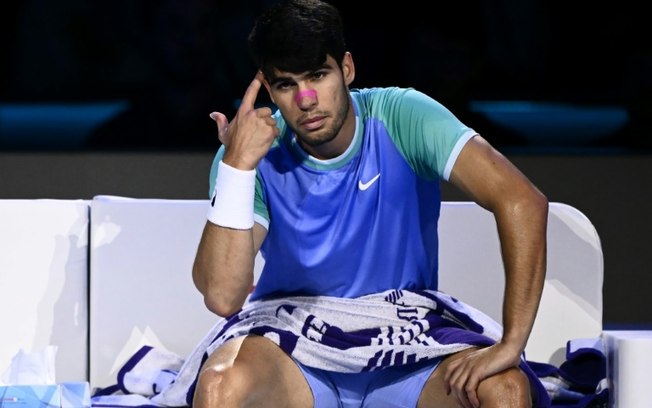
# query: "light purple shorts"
[394,387]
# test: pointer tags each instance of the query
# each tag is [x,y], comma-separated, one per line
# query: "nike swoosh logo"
[363,186]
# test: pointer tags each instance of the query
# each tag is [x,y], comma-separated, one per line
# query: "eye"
[284,85]
[318,75]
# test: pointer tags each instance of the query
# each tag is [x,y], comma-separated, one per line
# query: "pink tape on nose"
[308,93]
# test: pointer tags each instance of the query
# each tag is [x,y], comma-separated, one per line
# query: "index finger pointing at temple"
[249,98]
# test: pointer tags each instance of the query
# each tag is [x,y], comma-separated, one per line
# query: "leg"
[251,372]
[511,388]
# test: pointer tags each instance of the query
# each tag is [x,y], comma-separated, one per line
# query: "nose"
[306,98]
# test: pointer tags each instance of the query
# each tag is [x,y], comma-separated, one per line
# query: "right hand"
[250,134]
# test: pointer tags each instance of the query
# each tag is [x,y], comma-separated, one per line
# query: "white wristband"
[232,205]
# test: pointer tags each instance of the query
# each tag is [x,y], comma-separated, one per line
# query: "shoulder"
[379,95]
[388,101]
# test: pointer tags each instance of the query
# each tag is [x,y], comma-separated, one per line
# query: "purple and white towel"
[368,333]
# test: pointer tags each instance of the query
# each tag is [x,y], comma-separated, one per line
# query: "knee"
[223,387]
[511,388]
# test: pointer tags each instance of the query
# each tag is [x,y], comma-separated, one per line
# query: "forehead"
[278,75]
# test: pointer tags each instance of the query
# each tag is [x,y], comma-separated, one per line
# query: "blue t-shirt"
[365,221]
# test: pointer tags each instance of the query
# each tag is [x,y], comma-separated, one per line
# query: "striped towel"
[368,333]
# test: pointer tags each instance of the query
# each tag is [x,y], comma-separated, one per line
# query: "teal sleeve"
[426,133]
[213,173]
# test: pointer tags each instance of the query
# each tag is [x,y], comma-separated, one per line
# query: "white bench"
[571,307]
[44,282]
[138,289]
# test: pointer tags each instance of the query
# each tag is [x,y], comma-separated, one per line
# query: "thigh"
[399,387]
[256,372]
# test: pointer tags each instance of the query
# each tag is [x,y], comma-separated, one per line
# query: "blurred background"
[142,74]
[113,98]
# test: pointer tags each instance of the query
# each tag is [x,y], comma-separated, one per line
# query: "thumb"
[222,125]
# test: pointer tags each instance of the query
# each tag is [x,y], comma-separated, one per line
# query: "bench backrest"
[44,283]
[141,291]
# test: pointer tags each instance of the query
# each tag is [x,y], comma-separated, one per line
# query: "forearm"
[522,229]
[223,268]
[521,213]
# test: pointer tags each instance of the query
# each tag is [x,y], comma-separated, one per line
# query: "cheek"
[288,107]
[338,94]
[282,101]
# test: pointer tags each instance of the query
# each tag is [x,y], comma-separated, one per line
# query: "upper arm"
[488,177]
[260,232]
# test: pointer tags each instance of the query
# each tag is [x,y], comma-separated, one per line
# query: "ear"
[348,68]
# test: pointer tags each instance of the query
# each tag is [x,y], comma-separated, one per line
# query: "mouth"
[313,123]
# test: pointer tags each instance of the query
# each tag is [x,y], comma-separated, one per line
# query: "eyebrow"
[285,78]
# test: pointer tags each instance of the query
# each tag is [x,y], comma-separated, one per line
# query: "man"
[339,189]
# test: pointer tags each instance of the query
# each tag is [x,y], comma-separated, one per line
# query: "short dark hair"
[297,36]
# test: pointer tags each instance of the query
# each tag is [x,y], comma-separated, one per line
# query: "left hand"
[463,376]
